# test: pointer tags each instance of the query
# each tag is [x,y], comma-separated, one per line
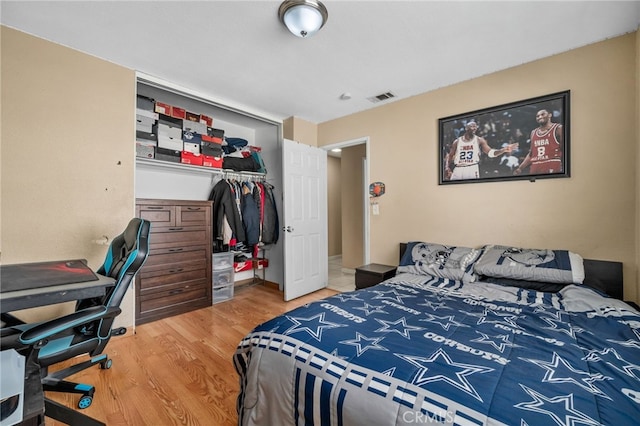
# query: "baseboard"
[337,256]
[251,282]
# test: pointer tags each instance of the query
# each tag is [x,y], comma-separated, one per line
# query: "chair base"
[66,415]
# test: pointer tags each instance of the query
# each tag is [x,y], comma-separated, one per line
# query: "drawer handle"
[175,291]
[193,208]
[176,249]
[175,229]
[155,207]
[173,271]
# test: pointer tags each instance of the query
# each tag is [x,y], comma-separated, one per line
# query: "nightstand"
[372,274]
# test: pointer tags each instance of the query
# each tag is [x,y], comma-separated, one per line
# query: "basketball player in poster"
[545,155]
[464,156]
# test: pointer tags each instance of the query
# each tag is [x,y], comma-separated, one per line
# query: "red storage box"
[209,161]
[178,112]
[190,158]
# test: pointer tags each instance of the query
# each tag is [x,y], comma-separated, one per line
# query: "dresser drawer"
[160,282]
[180,300]
[165,256]
[171,237]
[167,213]
[193,216]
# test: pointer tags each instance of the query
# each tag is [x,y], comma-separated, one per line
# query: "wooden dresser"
[176,277]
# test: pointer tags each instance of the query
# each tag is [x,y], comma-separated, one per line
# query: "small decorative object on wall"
[524,140]
[376,189]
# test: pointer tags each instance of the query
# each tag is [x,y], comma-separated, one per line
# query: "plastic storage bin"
[220,294]
[222,283]
[222,260]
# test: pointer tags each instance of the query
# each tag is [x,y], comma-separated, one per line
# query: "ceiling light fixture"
[303,18]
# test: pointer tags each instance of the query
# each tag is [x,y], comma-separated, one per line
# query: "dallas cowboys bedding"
[418,349]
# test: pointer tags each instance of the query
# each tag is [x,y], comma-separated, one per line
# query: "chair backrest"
[125,256]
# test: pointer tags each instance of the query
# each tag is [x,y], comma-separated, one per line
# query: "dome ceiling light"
[303,18]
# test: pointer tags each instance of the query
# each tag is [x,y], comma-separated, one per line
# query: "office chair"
[89,328]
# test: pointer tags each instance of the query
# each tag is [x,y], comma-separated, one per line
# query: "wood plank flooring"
[179,370]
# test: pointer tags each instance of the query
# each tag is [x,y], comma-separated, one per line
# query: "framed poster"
[528,139]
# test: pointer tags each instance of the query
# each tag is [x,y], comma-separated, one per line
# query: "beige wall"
[334,206]
[352,208]
[67,154]
[593,213]
[299,130]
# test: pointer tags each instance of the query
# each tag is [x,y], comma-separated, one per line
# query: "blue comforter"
[418,350]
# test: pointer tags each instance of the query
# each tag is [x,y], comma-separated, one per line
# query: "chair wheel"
[105,365]
[85,402]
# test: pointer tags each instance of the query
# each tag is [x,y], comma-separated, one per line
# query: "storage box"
[195,127]
[211,149]
[250,264]
[220,294]
[162,108]
[168,155]
[143,113]
[169,143]
[177,112]
[170,121]
[145,149]
[222,260]
[151,136]
[216,134]
[192,116]
[209,161]
[145,103]
[191,147]
[223,277]
[191,137]
[191,158]
[208,121]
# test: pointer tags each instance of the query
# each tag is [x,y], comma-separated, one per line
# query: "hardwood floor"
[179,370]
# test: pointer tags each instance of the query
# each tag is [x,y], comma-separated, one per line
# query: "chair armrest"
[58,325]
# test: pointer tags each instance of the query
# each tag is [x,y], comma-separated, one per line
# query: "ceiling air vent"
[382,97]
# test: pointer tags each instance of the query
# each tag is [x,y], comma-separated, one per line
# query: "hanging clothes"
[245,216]
[224,205]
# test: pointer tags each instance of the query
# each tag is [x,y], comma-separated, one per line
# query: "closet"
[174,183]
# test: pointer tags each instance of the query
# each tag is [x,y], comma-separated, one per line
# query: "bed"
[453,339]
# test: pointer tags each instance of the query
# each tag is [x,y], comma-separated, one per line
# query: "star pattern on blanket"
[500,342]
[492,317]
[392,294]
[346,297]
[445,321]
[314,325]
[559,370]
[371,309]
[614,359]
[560,324]
[440,367]
[631,343]
[399,326]
[434,306]
[560,408]
[364,343]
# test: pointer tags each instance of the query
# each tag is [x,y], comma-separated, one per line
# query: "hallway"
[340,280]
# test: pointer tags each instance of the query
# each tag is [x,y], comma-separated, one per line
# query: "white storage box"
[222,277]
[220,294]
[222,260]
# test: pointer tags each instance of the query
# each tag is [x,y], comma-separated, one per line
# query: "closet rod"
[197,169]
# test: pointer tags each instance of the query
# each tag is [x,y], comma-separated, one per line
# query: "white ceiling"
[238,53]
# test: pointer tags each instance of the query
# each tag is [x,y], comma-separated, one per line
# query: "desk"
[29,285]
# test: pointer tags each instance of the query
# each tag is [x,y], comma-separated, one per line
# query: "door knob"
[287,228]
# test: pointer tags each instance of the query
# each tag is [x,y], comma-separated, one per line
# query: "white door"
[304,170]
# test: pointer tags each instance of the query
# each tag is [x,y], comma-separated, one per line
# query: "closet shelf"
[195,169]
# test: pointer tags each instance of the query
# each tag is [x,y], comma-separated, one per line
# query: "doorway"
[347,211]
